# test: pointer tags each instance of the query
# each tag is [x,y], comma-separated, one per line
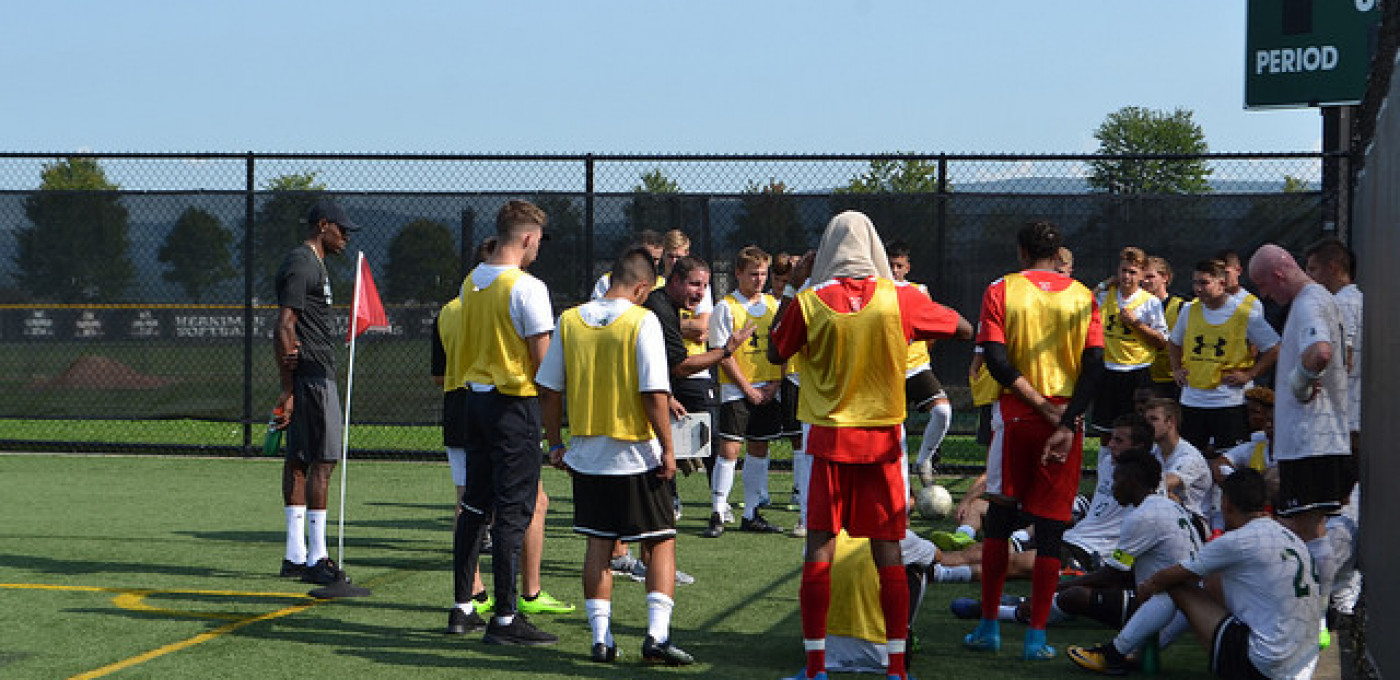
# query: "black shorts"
[1229,651]
[697,395]
[1222,427]
[454,418]
[787,396]
[921,389]
[984,425]
[740,420]
[1115,395]
[638,507]
[1314,483]
[314,433]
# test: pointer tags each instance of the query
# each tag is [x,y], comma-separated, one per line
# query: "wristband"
[727,352]
[556,447]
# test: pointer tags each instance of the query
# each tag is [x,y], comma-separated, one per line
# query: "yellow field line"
[132,599]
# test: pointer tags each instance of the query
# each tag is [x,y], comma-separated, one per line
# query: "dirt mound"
[101,373]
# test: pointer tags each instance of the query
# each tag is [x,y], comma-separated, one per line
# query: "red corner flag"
[369,311]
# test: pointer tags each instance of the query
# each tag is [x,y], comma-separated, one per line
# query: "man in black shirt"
[309,404]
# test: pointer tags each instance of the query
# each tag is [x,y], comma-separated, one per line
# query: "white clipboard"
[690,436]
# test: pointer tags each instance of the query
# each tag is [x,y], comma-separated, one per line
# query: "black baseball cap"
[330,211]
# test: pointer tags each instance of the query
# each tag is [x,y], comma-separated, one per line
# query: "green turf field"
[128,566]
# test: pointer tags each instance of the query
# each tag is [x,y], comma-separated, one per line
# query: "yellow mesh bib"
[752,357]
[602,384]
[853,371]
[493,353]
[1120,344]
[1046,332]
[1209,350]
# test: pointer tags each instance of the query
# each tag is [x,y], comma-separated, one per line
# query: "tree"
[654,203]
[769,219]
[1293,185]
[280,225]
[197,253]
[422,264]
[76,248]
[895,175]
[1136,130]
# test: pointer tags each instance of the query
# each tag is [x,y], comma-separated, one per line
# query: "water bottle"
[1151,656]
[273,440]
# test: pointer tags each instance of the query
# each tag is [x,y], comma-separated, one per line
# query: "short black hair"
[1334,251]
[1140,431]
[897,248]
[1040,239]
[1246,489]
[683,266]
[633,267]
[1140,466]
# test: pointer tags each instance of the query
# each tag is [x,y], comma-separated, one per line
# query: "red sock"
[815,599]
[995,561]
[894,600]
[1045,576]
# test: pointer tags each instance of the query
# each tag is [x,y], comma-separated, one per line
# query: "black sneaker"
[292,569]
[461,623]
[716,528]
[603,653]
[323,573]
[759,525]
[665,652]
[1104,658]
[519,632]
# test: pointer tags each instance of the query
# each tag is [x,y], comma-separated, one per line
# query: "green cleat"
[951,541]
[544,603]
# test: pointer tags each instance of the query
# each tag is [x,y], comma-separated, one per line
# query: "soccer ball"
[933,502]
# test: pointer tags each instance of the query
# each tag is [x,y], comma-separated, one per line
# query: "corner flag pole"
[349,391]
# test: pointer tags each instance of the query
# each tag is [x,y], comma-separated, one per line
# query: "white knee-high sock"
[1321,550]
[600,620]
[723,484]
[316,545]
[1146,623]
[801,473]
[296,534]
[659,608]
[938,421]
[755,483]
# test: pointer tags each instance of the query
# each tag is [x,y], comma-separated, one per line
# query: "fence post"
[588,225]
[248,311]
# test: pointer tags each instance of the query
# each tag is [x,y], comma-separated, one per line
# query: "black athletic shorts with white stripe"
[628,508]
[1229,651]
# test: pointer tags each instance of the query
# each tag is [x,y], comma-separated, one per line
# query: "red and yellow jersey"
[1045,320]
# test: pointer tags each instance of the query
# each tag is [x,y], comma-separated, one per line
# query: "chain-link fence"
[138,286]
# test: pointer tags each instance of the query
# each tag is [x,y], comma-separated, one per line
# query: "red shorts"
[868,500]
[1014,469]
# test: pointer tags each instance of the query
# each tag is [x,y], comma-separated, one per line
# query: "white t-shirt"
[600,454]
[530,309]
[1156,534]
[1187,463]
[1099,530]
[1150,313]
[1240,454]
[1319,427]
[721,327]
[1270,584]
[1257,331]
[1349,303]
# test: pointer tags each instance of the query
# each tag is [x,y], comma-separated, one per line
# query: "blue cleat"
[1035,649]
[986,638]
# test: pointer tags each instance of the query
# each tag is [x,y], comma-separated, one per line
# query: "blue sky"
[654,76]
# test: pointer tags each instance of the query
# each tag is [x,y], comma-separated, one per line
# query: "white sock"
[966,530]
[938,421]
[801,472]
[600,620]
[659,616]
[723,483]
[942,574]
[1021,535]
[1146,622]
[1179,625]
[296,533]
[316,546]
[469,606]
[505,620]
[755,483]
[1006,612]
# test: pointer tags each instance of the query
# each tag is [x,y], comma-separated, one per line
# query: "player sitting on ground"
[1157,533]
[1267,624]
[1185,472]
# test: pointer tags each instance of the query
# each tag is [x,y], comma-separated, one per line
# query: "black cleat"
[716,528]
[603,653]
[292,569]
[665,652]
[519,632]
[759,525]
[461,623]
[323,573]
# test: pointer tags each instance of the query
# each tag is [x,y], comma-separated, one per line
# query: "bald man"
[1311,431]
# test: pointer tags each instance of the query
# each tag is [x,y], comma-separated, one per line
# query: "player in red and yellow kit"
[853,326]
[1043,342]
